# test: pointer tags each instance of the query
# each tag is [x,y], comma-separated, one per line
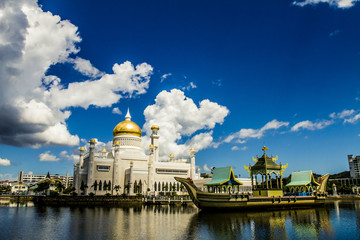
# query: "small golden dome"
[117,143]
[155,127]
[82,149]
[192,150]
[150,146]
[103,150]
[127,127]
[172,155]
[93,140]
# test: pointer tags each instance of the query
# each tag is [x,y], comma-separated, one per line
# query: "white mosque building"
[127,169]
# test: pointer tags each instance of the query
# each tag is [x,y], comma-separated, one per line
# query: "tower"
[91,164]
[155,142]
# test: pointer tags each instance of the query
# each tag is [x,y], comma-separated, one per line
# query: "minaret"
[81,160]
[150,167]
[91,165]
[192,163]
[155,141]
[116,174]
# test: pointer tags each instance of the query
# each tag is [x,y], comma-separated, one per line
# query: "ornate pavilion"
[266,176]
[302,183]
[223,181]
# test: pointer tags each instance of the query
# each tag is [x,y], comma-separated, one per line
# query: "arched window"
[95,185]
[109,185]
[159,187]
[100,185]
[105,186]
[135,187]
[140,187]
[177,187]
[155,185]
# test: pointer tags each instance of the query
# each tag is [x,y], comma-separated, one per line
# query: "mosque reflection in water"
[337,220]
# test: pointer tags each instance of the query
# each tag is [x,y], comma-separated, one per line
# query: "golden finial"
[264,149]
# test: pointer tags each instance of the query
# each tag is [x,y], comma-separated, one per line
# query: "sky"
[224,77]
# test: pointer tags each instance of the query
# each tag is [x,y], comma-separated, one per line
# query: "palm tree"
[117,188]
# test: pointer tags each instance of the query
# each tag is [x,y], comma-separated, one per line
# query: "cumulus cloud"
[4,162]
[163,77]
[35,106]
[246,133]
[206,168]
[236,148]
[71,157]
[48,157]
[85,67]
[116,111]
[309,125]
[181,120]
[334,3]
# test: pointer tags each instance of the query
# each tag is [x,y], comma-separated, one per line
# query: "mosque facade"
[125,168]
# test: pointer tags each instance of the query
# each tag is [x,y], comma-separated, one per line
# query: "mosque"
[127,169]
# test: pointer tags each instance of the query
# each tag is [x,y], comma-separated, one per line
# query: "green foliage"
[42,186]
[345,174]
[91,194]
[59,186]
[139,195]
[69,189]
[4,189]
[54,193]
[108,194]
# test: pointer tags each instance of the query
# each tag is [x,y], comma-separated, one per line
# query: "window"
[171,171]
[103,168]
[100,185]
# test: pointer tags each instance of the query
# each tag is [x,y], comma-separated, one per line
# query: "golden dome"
[155,127]
[82,149]
[117,143]
[192,150]
[127,127]
[172,155]
[103,150]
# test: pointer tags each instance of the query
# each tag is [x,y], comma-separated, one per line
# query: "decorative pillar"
[116,174]
[130,177]
[155,141]
[91,166]
[192,163]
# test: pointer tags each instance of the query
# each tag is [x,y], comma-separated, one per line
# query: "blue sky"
[226,78]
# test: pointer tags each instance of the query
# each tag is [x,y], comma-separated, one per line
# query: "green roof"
[223,175]
[302,178]
[266,161]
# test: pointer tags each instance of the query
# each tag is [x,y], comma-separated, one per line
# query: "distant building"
[354,165]
[32,178]
[19,188]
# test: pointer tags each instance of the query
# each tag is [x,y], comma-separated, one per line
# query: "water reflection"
[336,220]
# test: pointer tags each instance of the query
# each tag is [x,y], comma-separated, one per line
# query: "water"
[337,220]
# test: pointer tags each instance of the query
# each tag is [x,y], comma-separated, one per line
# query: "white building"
[34,178]
[354,165]
[127,169]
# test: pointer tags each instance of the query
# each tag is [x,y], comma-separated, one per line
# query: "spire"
[128,116]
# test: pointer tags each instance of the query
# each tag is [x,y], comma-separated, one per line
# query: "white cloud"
[345,113]
[163,77]
[217,82]
[333,3]
[179,118]
[72,157]
[206,168]
[190,86]
[309,125]
[85,67]
[116,111]
[35,106]
[4,162]
[48,157]
[352,119]
[234,148]
[247,133]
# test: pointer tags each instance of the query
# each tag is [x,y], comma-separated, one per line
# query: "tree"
[117,189]
[42,186]
[59,186]
[69,189]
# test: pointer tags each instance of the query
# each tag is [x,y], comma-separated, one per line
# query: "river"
[337,220]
